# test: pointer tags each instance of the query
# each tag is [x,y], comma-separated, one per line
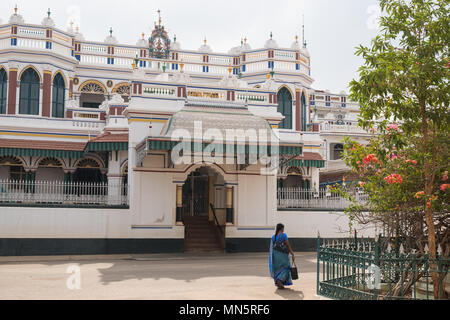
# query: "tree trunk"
[428,208]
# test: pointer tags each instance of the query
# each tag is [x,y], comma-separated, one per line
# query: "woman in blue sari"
[279,264]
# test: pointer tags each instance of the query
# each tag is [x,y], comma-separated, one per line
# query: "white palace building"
[114,148]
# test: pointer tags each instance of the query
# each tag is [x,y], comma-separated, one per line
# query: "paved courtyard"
[168,276]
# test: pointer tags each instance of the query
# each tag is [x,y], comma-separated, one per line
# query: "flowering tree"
[405,78]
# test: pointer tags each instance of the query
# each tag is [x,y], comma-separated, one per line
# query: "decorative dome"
[78,36]
[205,48]
[70,27]
[245,46]
[295,45]
[110,39]
[175,45]
[305,51]
[47,21]
[142,42]
[16,18]
[270,43]
[231,81]
[235,51]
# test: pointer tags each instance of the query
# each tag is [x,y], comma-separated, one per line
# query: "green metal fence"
[378,269]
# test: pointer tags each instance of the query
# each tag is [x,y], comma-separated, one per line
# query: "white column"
[315,178]
[114,179]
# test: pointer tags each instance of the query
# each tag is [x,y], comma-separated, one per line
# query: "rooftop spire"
[303,31]
[15,9]
[110,31]
[48,12]
[159,16]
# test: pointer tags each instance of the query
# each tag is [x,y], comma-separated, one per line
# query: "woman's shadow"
[290,294]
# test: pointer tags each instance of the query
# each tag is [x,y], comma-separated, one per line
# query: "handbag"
[280,246]
[294,271]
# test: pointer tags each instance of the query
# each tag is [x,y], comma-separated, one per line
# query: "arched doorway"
[196,193]
[12,168]
[204,210]
[89,171]
[50,169]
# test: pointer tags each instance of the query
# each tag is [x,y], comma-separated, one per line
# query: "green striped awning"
[106,146]
[306,163]
[159,144]
[28,152]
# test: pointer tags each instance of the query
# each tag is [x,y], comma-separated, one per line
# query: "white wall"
[306,224]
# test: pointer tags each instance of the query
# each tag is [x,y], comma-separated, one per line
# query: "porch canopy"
[108,142]
[41,148]
[307,160]
[230,129]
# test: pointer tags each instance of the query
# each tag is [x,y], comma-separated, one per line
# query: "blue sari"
[279,263]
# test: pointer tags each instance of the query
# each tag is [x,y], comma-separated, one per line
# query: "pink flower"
[393,127]
[370,158]
[444,186]
[394,178]
[445,176]
[419,194]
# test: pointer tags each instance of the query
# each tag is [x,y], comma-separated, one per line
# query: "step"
[201,245]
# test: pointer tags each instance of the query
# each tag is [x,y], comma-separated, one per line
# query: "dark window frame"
[284,99]
[58,96]
[30,92]
[3,90]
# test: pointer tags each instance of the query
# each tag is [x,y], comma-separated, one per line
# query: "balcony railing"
[298,198]
[51,193]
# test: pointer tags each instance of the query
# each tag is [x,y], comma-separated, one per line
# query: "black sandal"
[279,284]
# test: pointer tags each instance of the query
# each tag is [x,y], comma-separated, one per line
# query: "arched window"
[58,92]
[303,112]
[92,94]
[124,91]
[29,92]
[3,85]
[285,108]
[11,168]
[88,170]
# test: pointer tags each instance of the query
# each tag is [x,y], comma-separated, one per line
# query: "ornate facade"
[75,112]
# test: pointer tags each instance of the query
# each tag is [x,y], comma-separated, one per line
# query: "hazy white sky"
[333,27]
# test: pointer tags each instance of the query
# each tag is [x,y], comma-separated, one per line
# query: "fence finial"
[426,249]
[439,250]
[318,233]
[402,250]
[389,248]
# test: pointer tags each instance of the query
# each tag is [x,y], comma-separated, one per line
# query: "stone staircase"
[201,235]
